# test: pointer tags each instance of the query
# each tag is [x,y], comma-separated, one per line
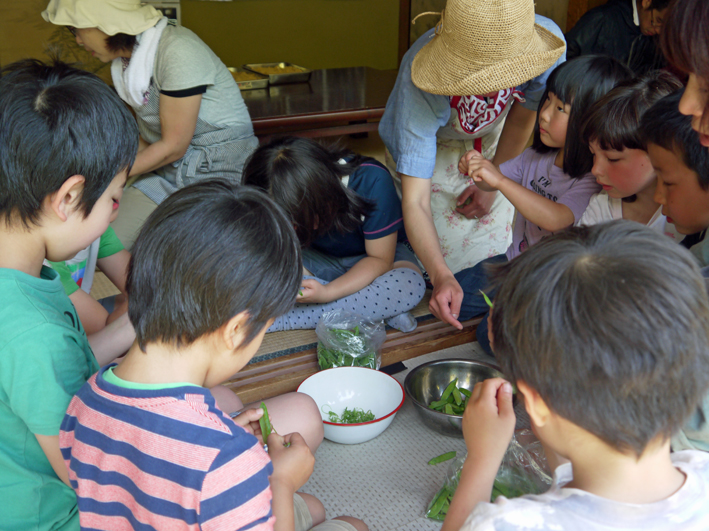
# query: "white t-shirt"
[602,208]
[573,509]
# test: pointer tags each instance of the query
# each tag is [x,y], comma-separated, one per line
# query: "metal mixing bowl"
[426,383]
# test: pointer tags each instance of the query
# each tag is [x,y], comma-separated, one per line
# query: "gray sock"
[391,294]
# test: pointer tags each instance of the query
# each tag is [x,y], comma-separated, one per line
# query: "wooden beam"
[284,374]
[404,27]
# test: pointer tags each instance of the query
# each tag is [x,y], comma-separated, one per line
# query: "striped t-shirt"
[162,459]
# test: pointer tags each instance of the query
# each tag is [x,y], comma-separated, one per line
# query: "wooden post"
[404,27]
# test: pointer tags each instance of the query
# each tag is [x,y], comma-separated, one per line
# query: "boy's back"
[568,508]
[605,332]
[44,359]
[171,457]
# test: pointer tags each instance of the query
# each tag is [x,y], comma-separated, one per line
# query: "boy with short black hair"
[66,145]
[144,441]
[682,167]
[605,331]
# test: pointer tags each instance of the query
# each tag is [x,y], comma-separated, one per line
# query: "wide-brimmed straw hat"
[110,16]
[483,46]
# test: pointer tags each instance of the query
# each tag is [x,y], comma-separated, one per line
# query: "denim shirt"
[413,117]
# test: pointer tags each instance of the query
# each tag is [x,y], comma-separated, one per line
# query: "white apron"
[465,242]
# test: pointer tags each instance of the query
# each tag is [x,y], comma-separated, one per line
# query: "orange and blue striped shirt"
[162,459]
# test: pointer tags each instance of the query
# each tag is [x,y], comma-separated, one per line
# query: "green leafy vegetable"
[265,423]
[438,508]
[357,353]
[351,416]
[442,458]
[453,400]
[487,299]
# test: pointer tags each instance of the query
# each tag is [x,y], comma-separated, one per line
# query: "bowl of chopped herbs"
[440,390]
[357,404]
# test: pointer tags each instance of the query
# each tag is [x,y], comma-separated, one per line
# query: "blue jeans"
[472,280]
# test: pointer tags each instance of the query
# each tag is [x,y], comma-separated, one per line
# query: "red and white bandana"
[476,112]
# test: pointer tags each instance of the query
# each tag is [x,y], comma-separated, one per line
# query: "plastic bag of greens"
[346,339]
[523,471]
[524,468]
[438,507]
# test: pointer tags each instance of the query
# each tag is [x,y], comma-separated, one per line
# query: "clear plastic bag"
[438,507]
[524,468]
[523,471]
[346,339]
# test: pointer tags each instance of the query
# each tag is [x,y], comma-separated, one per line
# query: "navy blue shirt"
[372,181]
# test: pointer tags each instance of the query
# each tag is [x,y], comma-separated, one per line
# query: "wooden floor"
[284,374]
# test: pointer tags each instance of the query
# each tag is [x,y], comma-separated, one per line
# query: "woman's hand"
[474,203]
[313,292]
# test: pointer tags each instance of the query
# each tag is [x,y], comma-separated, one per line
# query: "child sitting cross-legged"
[550,183]
[349,222]
[67,143]
[145,443]
[605,331]
[620,163]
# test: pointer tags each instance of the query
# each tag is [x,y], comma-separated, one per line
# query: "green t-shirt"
[78,272]
[111,378]
[44,359]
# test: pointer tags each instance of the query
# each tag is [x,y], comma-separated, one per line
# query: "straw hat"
[483,46]
[110,16]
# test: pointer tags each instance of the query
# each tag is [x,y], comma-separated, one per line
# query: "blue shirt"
[372,181]
[413,117]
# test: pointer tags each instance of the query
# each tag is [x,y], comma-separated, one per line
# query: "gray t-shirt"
[223,138]
[562,509]
[183,61]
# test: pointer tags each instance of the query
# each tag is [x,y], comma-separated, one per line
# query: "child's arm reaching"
[488,425]
[379,259]
[536,209]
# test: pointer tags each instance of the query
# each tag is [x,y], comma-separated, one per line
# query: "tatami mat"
[386,481]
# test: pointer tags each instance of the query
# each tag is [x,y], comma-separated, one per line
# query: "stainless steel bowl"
[426,383]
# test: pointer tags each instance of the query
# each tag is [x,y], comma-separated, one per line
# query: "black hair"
[120,42]
[684,40]
[659,5]
[579,82]
[664,126]
[610,325]
[304,178]
[614,120]
[208,252]
[55,122]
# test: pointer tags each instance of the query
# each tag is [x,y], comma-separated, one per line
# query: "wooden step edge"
[278,378]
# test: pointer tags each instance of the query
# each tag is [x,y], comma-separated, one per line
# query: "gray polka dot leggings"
[388,296]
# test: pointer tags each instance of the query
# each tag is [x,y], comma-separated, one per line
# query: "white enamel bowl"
[354,387]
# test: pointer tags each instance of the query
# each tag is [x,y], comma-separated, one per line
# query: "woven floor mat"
[386,481]
[102,287]
[297,340]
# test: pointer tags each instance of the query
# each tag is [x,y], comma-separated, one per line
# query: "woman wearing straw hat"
[474,81]
[192,119]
